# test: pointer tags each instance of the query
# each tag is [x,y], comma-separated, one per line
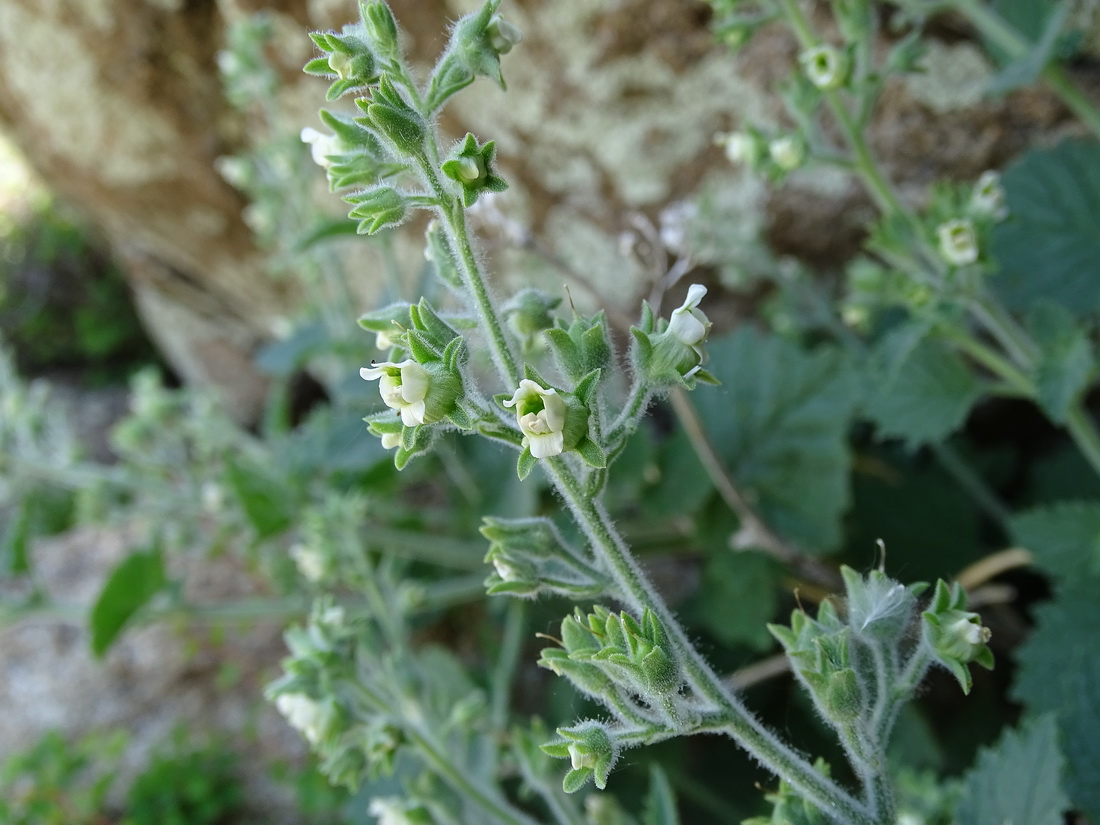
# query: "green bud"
[377,209]
[582,346]
[591,751]
[393,119]
[470,165]
[380,26]
[879,608]
[955,636]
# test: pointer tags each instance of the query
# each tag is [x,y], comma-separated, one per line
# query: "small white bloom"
[958,242]
[310,563]
[741,148]
[391,440]
[688,323]
[303,714]
[540,414]
[339,62]
[389,811]
[502,35]
[580,757]
[787,152]
[321,146]
[403,387]
[988,197]
[506,570]
[825,67]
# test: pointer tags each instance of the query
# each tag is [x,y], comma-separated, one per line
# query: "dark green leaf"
[1080,725]
[737,598]
[780,422]
[660,803]
[1065,361]
[1064,538]
[919,389]
[267,501]
[1017,780]
[1041,22]
[131,585]
[1050,245]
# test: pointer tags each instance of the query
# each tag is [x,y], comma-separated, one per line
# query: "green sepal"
[648,322]
[566,350]
[408,437]
[526,463]
[454,354]
[391,117]
[532,374]
[575,779]
[318,66]
[339,88]
[381,28]
[704,377]
[320,39]
[491,428]
[591,453]
[460,418]
[585,388]
[421,348]
[438,251]
[425,318]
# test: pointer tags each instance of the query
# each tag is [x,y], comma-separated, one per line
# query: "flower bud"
[591,752]
[742,148]
[377,208]
[787,152]
[471,166]
[676,353]
[956,636]
[988,197]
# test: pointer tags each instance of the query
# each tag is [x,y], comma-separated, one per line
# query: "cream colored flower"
[540,414]
[403,387]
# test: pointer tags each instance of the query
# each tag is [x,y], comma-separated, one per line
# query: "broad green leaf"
[1018,780]
[1066,636]
[1080,725]
[1064,538]
[779,422]
[919,389]
[133,582]
[1050,245]
[737,598]
[267,502]
[1065,361]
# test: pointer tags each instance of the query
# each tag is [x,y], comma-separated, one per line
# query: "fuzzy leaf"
[779,422]
[133,582]
[737,596]
[919,390]
[266,501]
[1080,726]
[1049,246]
[1018,780]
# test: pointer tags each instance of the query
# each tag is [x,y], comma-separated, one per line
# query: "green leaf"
[1017,780]
[1080,727]
[133,582]
[1049,246]
[1065,363]
[1064,538]
[919,390]
[780,422]
[267,502]
[1066,635]
[737,598]
[660,802]
[525,464]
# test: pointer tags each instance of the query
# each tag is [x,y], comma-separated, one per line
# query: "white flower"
[741,148]
[310,563]
[389,811]
[688,323]
[302,713]
[988,197]
[339,62]
[540,414]
[958,242]
[391,440]
[787,152]
[403,388]
[321,146]
[825,67]
[506,570]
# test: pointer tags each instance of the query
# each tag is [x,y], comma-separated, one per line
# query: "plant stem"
[738,722]
[507,662]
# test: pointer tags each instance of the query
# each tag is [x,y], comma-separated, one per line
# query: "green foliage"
[130,587]
[779,422]
[1017,780]
[919,389]
[1047,247]
[737,598]
[186,785]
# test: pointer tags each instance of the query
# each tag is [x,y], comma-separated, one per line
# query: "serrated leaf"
[1018,780]
[1064,538]
[1080,728]
[1067,634]
[1050,245]
[919,389]
[130,586]
[779,422]
[1065,361]
[267,502]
